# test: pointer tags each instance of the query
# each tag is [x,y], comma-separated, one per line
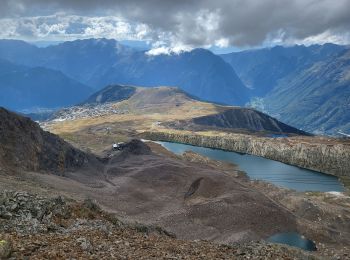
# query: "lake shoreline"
[331,160]
[259,168]
[320,215]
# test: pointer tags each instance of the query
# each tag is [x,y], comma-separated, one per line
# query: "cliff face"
[325,157]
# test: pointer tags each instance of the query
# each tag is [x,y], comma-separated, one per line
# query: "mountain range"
[24,88]
[316,99]
[99,62]
[300,85]
[307,87]
[261,69]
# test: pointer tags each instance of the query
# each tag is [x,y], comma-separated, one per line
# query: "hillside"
[163,99]
[85,226]
[317,99]
[137,174]
[9,67]
[262,69]
[27,88]
[101,62]
[122,100]
[140,97]
[306,87]
[112,93]
[117,99]
[25,146]
[190,196]
[85,60]
[19,52]
[246,119]
[97,125]
[159,99]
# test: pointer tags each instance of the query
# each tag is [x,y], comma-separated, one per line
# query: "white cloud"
[158,51]
[222,43]
[176,25]
[168,48]
[325,37]
[65,27]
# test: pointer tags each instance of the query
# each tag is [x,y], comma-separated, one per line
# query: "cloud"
[66,27]
[163,48]
[186,23]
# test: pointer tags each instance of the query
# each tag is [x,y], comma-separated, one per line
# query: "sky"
[177,25]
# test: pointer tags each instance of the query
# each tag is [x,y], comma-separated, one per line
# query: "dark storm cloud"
[209,22]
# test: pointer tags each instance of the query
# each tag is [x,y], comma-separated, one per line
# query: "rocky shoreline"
[333,159]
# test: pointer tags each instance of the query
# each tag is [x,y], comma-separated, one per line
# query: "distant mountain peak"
[25,88]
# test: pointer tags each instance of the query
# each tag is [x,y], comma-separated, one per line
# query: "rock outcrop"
[331,157]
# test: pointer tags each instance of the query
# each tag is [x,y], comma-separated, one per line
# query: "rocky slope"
[238,119]
[39,227]
[46,226]
[24,145]
[320,154]
[210,204]
[189,196]
[189,199]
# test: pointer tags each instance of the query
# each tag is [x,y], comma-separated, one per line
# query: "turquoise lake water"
[271,171]
[293,239]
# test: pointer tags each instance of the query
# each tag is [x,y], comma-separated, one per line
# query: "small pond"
[293,239]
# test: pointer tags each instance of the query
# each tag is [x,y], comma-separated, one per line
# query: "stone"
[6,215]
[14,207]
[92,205]
[84,244]
[5,248]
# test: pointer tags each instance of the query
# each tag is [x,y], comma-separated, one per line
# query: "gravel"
[35,227]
